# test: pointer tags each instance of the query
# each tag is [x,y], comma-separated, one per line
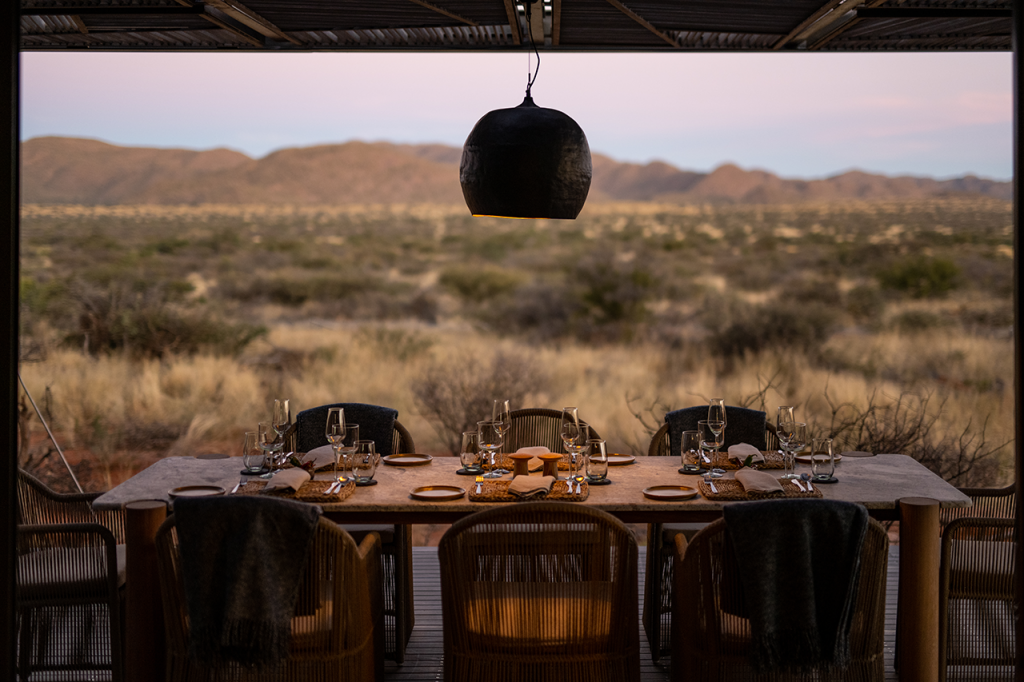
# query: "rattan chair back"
[336,630]
[538,426]
[539,591]
[976,624]
[661,446]
[38,504]
[989,503]
[711,635]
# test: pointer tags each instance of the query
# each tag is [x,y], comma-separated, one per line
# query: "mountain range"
[63,170]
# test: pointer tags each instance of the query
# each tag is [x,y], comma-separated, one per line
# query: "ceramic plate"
[620,460]
[437,493]
[670,492]
[195,491]
[406,460]
[806,459]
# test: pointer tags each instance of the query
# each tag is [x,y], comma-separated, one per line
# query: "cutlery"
[797,484]
[707,479]
[579,487]
[331,489]
[809,488]
[479,482]
[238,485]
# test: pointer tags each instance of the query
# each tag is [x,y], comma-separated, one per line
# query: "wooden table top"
[876,482]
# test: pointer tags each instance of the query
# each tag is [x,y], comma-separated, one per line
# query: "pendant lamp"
[526,162]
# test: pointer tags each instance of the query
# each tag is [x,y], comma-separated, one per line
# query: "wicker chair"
[537,426]
[712,637]
[395,555]
[660,539]
[70,567]
[539,591]
[336,630]
[976,630]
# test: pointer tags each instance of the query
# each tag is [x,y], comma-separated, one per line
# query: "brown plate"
[195,491]
[437,493]
[411,460]
[806,459]
[670,492]
[620,460]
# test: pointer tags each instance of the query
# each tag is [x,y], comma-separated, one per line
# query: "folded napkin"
[287,478]
[741,451]
[757,481]
[321,457]
[535,464]
[531,486]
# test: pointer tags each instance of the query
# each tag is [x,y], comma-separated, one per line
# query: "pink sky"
[806,115]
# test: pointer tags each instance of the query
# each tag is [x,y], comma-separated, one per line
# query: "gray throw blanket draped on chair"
[375,423]
[743,425]
[799,566]
[242,562]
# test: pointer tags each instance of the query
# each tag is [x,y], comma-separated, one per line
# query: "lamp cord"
[529,29]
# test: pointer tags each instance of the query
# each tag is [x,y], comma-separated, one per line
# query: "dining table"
[892,487]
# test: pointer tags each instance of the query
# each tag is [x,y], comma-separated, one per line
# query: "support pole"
[10,25]
[1018,347]
[919,590]
[144,613]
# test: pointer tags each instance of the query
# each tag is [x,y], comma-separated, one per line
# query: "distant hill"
[59,170]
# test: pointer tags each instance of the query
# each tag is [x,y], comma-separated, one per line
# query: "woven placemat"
[772,460]
[731,489]
[497,491]
[310,491]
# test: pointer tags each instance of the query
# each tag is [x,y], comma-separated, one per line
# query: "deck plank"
[423,658]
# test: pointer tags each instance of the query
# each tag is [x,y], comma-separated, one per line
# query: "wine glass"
[784,414]
[489,439]
[716,412]
[792,437]
[578,451]
[570,430]
[710,438]
[270,442]
[335,429]
[346,447]
[500,416]
[282,416]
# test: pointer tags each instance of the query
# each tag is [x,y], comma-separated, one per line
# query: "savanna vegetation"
[149,331]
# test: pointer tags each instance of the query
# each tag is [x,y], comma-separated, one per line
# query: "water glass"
[364,462]
[344,446]
[690,447]
[793,437]
[823,459]
[470,453]
[253,457]
[711,437]
[578,453]
[597,461]
[489,438]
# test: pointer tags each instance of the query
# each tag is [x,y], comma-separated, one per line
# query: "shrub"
[921,277]
[776,325]
[917,320]
[480,284]
[454,395]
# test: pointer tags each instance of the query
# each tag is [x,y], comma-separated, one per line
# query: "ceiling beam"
[932,13]
[536,22]
[513,21]
[82,28]
[242,14]
[442,10]
[823,38]
[131,10]
[643,22]
[822,11]
[556,21]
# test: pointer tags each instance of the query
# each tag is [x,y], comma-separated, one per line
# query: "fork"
[240,483]
[479,482]
[796,482]
[707,479]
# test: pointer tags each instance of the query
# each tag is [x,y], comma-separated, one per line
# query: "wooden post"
[1018,343]
[918,602]
[144,617]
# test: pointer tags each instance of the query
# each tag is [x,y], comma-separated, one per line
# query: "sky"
[798,115]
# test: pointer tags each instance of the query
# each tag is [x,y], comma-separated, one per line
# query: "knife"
[809,488]
[797,484]
[713,488]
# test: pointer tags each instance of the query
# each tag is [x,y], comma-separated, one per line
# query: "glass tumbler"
[252,456]
[469,455]
[823,459]
[364,462]
[690,447]
[597,461]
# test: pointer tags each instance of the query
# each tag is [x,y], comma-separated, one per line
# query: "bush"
[921,277]
[456,394]
[777,325]
[480,284]
[917,320]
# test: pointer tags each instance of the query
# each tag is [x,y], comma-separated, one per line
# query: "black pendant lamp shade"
[526,162]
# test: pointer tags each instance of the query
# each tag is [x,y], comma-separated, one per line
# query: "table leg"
[918,646]
[144,617]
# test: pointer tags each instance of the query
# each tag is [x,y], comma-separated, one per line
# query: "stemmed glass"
[792,437]
[711,438]
[489,439]
[270,443]
[500,416]
[335,432]
[783,414]
[570,431]
[716,413]
[578,452]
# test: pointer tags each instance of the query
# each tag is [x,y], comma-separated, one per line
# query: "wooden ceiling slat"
[825,9]
[447,13]
[556,21]
[643,22]
[236,10]
[513,21]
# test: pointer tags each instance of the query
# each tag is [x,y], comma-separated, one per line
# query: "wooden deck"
[423,657]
